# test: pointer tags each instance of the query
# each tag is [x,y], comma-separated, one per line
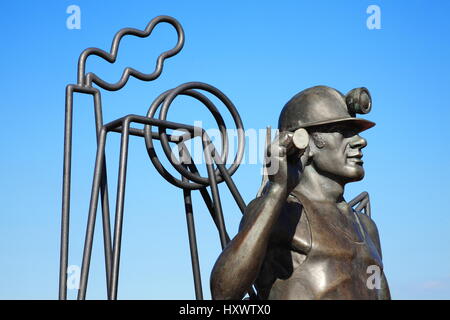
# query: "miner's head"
[329,117]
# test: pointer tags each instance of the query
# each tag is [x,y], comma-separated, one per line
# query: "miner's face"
[336,152]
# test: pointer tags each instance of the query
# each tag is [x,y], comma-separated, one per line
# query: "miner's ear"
[307,156]
[316,142]
[310,153]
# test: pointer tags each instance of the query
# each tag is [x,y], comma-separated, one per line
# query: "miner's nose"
[358,142]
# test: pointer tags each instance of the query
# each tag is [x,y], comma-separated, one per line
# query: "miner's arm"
[238,265]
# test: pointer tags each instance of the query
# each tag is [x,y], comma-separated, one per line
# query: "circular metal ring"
[150,148]
[168,97]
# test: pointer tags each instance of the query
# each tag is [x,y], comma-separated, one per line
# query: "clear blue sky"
[259,53]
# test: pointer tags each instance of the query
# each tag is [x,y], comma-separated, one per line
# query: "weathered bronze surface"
[300,239]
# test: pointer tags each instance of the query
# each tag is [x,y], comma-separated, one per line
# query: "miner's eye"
[337,128]
[345,130]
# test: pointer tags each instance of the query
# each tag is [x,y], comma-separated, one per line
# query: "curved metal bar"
[231,108]
[198,181]
[87,80]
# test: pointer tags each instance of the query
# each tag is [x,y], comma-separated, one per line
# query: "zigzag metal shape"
[87,80]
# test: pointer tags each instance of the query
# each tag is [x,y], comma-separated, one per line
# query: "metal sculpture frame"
[190,177]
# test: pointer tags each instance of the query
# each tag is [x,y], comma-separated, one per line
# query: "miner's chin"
[355,172]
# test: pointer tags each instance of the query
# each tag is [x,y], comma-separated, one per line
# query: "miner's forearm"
[239,264]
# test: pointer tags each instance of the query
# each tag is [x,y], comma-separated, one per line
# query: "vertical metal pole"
[119,208]
[193,244]
[191,227]
[64,250]
[203,191]
[106,228]
[91,216]
[104,196]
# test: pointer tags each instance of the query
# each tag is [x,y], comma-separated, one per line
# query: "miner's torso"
[318,252]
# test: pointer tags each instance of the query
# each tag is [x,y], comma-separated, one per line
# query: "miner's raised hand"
[284,165]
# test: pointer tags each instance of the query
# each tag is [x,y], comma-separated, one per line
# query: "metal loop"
[166,99]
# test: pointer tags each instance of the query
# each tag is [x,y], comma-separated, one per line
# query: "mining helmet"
[323,105]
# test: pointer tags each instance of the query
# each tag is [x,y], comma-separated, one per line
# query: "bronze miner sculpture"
[299,239]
